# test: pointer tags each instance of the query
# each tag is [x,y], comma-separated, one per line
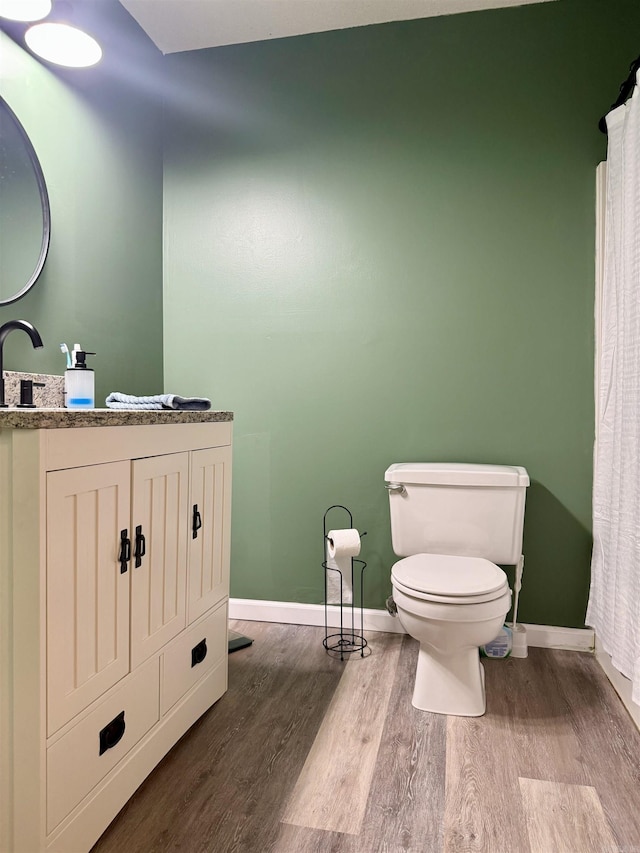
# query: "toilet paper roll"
[341,546]
[343,543]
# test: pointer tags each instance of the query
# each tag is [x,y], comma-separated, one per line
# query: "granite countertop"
[15,418]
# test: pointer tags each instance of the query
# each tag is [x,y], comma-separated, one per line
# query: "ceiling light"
[64,45]
[25,10]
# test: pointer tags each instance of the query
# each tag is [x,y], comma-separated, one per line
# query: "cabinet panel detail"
[75,763]
[158,582]
[87,594]
[191,656]
[210,529]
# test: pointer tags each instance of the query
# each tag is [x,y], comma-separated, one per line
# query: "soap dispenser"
[79,381]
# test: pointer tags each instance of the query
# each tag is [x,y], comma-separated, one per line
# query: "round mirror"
[25,219]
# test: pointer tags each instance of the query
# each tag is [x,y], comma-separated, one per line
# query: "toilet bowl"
[451,605]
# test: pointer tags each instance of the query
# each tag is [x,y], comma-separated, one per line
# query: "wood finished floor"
[305,754]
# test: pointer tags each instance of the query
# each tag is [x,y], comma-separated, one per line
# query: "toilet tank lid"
[457,474]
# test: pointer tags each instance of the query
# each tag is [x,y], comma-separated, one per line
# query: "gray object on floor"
[238,641]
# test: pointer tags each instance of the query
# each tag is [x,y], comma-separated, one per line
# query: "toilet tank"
[458,509]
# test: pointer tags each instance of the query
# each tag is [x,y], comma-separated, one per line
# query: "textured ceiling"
[176,25]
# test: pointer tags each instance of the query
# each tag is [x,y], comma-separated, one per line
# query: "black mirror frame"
[44,201]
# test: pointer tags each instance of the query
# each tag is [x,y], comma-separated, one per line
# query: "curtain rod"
[626,89]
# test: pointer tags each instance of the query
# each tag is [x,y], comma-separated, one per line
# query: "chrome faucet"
[36,340]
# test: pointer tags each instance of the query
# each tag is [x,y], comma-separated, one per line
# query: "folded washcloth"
[116,400]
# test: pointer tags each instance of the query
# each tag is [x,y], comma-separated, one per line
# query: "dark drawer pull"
[141,547]
[112,733]
[125,550]
[199,652]
[197,521]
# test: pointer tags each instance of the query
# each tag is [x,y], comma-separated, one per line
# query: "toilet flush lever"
[395,487]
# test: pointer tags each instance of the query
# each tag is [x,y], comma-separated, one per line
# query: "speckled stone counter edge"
[75,418]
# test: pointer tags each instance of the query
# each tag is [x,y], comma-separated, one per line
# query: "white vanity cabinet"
[114,558]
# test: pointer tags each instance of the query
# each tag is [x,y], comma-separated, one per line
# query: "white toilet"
[452,523]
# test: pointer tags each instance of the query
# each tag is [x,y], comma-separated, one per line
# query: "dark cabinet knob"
[197,522]
[125,550]
[199,652]
[141,547]
[112,733]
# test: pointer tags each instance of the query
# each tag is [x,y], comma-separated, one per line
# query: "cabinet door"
[87,593]
[159,577]
[210,528]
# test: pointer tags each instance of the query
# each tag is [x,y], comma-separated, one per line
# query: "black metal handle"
[141,547]
[26,393]
[199,652]
[125,550]
[197,521]
[112,733]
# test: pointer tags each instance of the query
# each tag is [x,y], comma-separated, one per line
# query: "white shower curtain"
[614,601]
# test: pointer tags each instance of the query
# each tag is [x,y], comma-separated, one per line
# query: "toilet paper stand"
[349,639]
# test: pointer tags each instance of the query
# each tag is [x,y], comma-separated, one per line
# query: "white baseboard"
[293,613]
[557,637]
[621,684]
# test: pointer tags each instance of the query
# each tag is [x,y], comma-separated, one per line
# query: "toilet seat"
[449,579]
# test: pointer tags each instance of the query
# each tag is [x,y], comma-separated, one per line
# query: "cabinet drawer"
[196,652]
[82,757]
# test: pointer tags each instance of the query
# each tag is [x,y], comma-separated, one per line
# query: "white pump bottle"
[79,381]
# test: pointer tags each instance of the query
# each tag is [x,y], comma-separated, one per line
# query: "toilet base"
[450,684]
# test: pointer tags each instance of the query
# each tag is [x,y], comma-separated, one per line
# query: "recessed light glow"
[63,45]
[25,10]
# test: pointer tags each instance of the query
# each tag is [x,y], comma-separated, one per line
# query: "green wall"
[379,247]
[97,133]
